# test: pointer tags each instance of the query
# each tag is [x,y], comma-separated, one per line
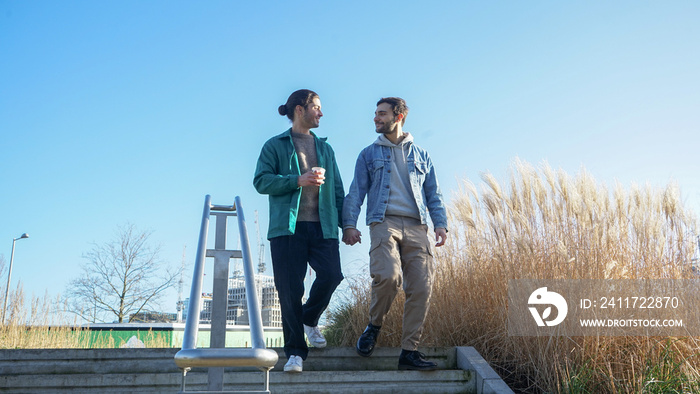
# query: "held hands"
[310,178]
[440,236]
[351,236]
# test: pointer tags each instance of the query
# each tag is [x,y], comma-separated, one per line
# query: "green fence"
[171,334]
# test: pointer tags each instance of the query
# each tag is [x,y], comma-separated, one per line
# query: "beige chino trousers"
[400,254]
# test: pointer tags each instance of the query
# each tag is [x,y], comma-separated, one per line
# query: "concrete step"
[336,370]
[446,381]
[70,361]
[383,359]
[85,361]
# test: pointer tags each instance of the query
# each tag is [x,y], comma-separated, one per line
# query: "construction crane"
[180,303]
[261,246]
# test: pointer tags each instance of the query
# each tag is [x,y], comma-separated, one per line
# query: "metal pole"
[219,303]
[193,309]
[9,275]
[255,318]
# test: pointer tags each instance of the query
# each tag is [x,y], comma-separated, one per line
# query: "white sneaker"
[294,364]
[315,336]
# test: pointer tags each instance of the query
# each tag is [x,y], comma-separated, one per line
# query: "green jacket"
[276,175]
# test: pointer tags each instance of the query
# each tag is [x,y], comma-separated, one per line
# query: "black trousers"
[290,256]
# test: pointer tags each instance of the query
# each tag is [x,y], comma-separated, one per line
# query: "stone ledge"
[487,380]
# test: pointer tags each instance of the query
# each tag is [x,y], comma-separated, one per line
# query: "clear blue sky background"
[133,111]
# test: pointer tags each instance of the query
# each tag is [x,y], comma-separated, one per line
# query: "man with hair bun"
[401,187]
[299,173]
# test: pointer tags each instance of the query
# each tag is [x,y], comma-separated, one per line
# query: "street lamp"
[9,274]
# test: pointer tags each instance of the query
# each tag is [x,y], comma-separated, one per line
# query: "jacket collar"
[288,134]
[383,141]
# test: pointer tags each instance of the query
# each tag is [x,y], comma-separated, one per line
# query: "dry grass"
[41,324]
[545,224]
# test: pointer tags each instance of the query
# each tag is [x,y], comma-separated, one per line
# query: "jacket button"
[388,170]
[387,186]
[388,157]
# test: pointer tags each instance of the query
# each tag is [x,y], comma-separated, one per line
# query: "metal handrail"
[255,317]
[194,307]
[257,356]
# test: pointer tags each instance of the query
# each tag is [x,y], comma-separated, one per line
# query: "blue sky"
[131,112]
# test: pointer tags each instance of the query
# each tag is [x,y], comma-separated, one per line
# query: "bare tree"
[2,282]
[121,278]
[2,265]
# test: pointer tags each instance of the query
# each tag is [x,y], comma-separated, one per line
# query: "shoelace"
[315,333]
[372,334]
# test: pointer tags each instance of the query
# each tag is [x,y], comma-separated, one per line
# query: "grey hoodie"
[401,201]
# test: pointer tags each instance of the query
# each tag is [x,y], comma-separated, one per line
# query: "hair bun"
[282,110]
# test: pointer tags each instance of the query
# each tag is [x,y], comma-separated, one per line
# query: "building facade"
[237,306]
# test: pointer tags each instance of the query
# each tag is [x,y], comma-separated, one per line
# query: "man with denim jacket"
[399,181]
[305,211]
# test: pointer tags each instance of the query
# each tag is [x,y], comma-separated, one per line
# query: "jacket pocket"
[421,172]
[376,164]
[421,167]
[376,167]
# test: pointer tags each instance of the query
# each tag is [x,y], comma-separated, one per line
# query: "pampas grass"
[543,223]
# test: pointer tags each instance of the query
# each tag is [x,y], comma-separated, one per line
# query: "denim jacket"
[372,180]
[276,175]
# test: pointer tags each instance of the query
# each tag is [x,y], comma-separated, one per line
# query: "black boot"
[415,360]
[365,345]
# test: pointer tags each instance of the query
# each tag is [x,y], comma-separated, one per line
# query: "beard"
[386,128]
[311,120]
